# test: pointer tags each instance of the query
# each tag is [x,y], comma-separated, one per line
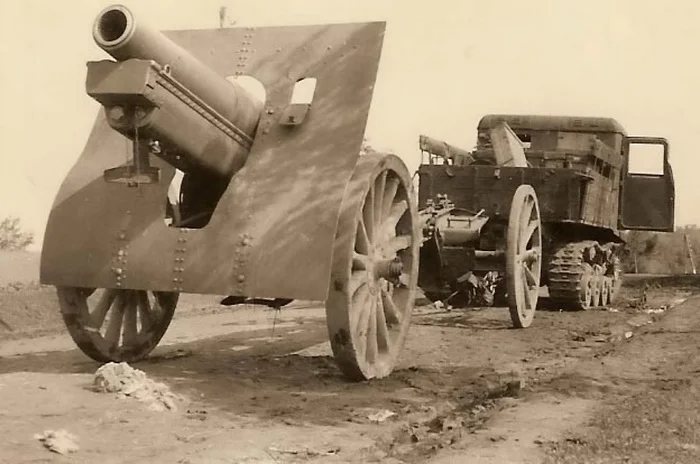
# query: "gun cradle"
[142,101]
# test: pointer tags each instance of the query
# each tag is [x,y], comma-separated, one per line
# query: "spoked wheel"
[116,325]
[375,269]
[523,256]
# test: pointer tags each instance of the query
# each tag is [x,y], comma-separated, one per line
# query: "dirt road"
[259,386]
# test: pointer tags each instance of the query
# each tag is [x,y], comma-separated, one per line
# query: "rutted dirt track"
[260,386]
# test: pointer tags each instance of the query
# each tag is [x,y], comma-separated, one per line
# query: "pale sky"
[445,63]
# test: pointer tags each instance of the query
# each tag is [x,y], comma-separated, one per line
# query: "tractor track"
[570,267]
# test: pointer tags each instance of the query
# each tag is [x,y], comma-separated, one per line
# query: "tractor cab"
[637,167]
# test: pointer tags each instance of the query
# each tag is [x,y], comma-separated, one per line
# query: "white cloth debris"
[126,381]
[58,441]
[381,416]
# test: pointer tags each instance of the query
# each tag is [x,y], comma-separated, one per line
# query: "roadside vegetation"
[12,235]
[663,253]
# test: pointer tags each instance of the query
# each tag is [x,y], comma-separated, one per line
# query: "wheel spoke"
[529,232]
[380,185]
[145,311]
[390,189]
[362,242]
[391,312]
[130,315]
[382,329]
[397,211]
[526,215]
[397,244]
[529,276]
[116,319]
[527,294]
[358,308]
[97,318]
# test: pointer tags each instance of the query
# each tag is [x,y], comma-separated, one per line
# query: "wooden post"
[689,250]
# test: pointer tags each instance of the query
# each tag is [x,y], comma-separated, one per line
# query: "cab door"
[647,200]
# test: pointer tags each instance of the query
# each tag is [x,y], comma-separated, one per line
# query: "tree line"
[12,236]
[662,253]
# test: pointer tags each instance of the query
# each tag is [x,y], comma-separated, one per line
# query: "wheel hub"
[388,269]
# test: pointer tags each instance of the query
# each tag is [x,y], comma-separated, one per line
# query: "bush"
[662,253]
[12,237]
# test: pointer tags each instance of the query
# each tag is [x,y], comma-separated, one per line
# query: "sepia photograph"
[318,231]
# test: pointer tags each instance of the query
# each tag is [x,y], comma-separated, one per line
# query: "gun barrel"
[116,31]
[444,150]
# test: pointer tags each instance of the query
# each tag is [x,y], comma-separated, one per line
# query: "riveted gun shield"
[274,198]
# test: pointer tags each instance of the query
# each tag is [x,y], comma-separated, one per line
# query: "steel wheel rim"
[524,257]
[115,324]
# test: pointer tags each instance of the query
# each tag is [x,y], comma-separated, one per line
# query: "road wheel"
[523,256]
[597,287]
[116,325]
[605,291]
[587,292]
[375,269]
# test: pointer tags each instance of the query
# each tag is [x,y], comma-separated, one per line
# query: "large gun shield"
[272,232]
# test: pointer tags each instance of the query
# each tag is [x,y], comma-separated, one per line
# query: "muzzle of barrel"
[118,33]
[204,143]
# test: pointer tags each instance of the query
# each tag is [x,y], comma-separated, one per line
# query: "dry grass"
[660,425]
[651,416]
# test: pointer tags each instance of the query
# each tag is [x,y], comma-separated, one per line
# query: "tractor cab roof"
[552,123]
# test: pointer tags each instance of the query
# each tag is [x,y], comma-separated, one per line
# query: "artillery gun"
[538,203]
[275,200]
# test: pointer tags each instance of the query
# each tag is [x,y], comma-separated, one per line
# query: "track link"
[584,275]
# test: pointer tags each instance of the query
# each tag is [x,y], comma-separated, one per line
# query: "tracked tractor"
[540,202]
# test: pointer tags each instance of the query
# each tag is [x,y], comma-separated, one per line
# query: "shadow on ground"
[251,374]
